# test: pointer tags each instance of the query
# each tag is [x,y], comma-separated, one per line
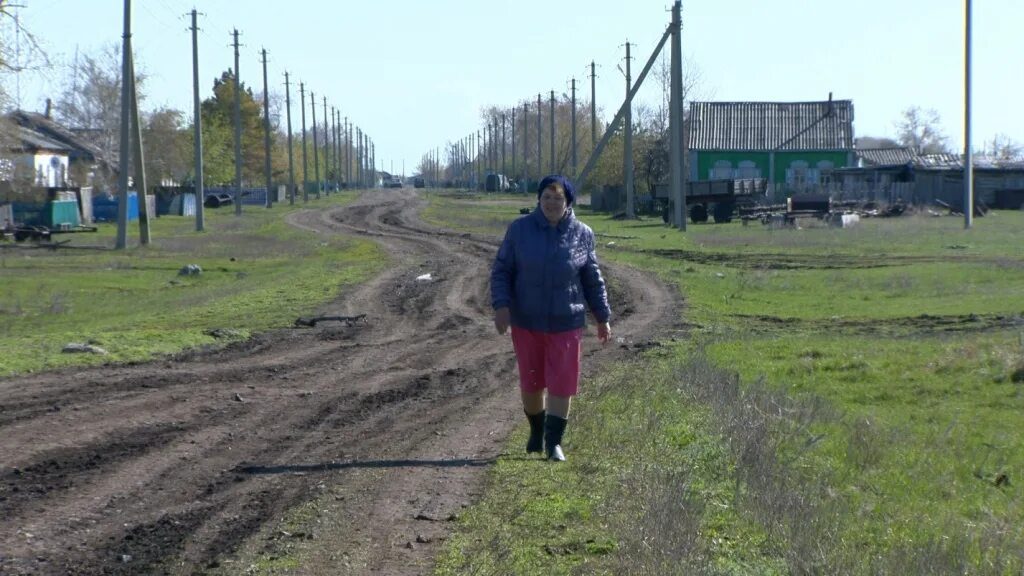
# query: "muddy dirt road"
[349,447]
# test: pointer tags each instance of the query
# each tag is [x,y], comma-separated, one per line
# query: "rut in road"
[192,462]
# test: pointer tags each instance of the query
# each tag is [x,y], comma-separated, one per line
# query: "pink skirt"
[548,360]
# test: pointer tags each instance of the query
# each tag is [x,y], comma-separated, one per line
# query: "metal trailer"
[717,198]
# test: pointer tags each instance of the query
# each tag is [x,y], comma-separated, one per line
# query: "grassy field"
[257,273]
[842,402]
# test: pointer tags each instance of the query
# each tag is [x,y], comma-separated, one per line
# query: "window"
[796,174]
[825,176]
[747,169]
[722,170]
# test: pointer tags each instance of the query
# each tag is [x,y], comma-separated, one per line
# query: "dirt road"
[350,447]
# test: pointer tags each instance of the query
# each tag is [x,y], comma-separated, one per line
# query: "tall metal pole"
[197,125]
[238,133]
[573,143]
[291,160]
[627,155]
[968,158]
[125,146]
[675,115]
[316,144]
[266,134]
[554,166]
[305,162]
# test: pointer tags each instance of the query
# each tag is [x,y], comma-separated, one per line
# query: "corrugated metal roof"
[32,140]
[885,156]
[895,157]
[768,126]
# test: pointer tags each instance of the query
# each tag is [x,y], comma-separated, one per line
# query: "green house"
[796,146]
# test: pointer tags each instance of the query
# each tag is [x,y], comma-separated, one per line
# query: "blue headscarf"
[567,185]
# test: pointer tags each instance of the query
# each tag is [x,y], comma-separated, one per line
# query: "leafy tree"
[921,130]
[218,121]
[167,146]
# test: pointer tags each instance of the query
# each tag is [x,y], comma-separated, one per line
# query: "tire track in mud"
[190,463]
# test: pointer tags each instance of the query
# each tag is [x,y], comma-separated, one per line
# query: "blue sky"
[415,75]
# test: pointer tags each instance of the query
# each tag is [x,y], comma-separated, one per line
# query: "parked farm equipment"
[718,198]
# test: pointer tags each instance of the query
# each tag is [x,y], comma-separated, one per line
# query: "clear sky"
[416,74]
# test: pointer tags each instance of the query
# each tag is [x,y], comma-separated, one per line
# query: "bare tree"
[868,142]
[90,104]
[1002,147]
[922,130]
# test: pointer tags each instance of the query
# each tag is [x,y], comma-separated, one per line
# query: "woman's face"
[552,203]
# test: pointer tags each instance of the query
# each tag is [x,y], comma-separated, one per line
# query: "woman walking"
[544,277]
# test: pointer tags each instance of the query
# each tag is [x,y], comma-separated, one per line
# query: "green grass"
[258,273]
[845,401]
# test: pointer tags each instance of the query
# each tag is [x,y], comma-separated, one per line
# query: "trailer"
[718,198]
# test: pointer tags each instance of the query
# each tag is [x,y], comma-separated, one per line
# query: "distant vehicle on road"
[395,182]
[419,183]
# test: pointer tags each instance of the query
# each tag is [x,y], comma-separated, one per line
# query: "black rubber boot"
[536,441]
[554,427]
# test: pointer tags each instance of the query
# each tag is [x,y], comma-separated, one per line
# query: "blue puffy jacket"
[545,274]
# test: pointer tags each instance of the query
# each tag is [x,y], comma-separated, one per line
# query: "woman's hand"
[502,319]
[604,332]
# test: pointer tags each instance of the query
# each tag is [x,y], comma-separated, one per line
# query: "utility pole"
[540,136]
[305,163]
[316,144]
[573,144]
[291,160]
[676,151]
[968,158]
[513,128]
[125,143]
[526,141]
[554,167]
[140,157]
[266,133]
[627,156]
[593,108]
[327,151]
[197,123]
[238,132]
[335,121]
[359,157]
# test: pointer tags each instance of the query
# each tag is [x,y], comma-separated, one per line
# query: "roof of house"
[899,155]
[39,123]
[903,156]
[771,126]
[33,140]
